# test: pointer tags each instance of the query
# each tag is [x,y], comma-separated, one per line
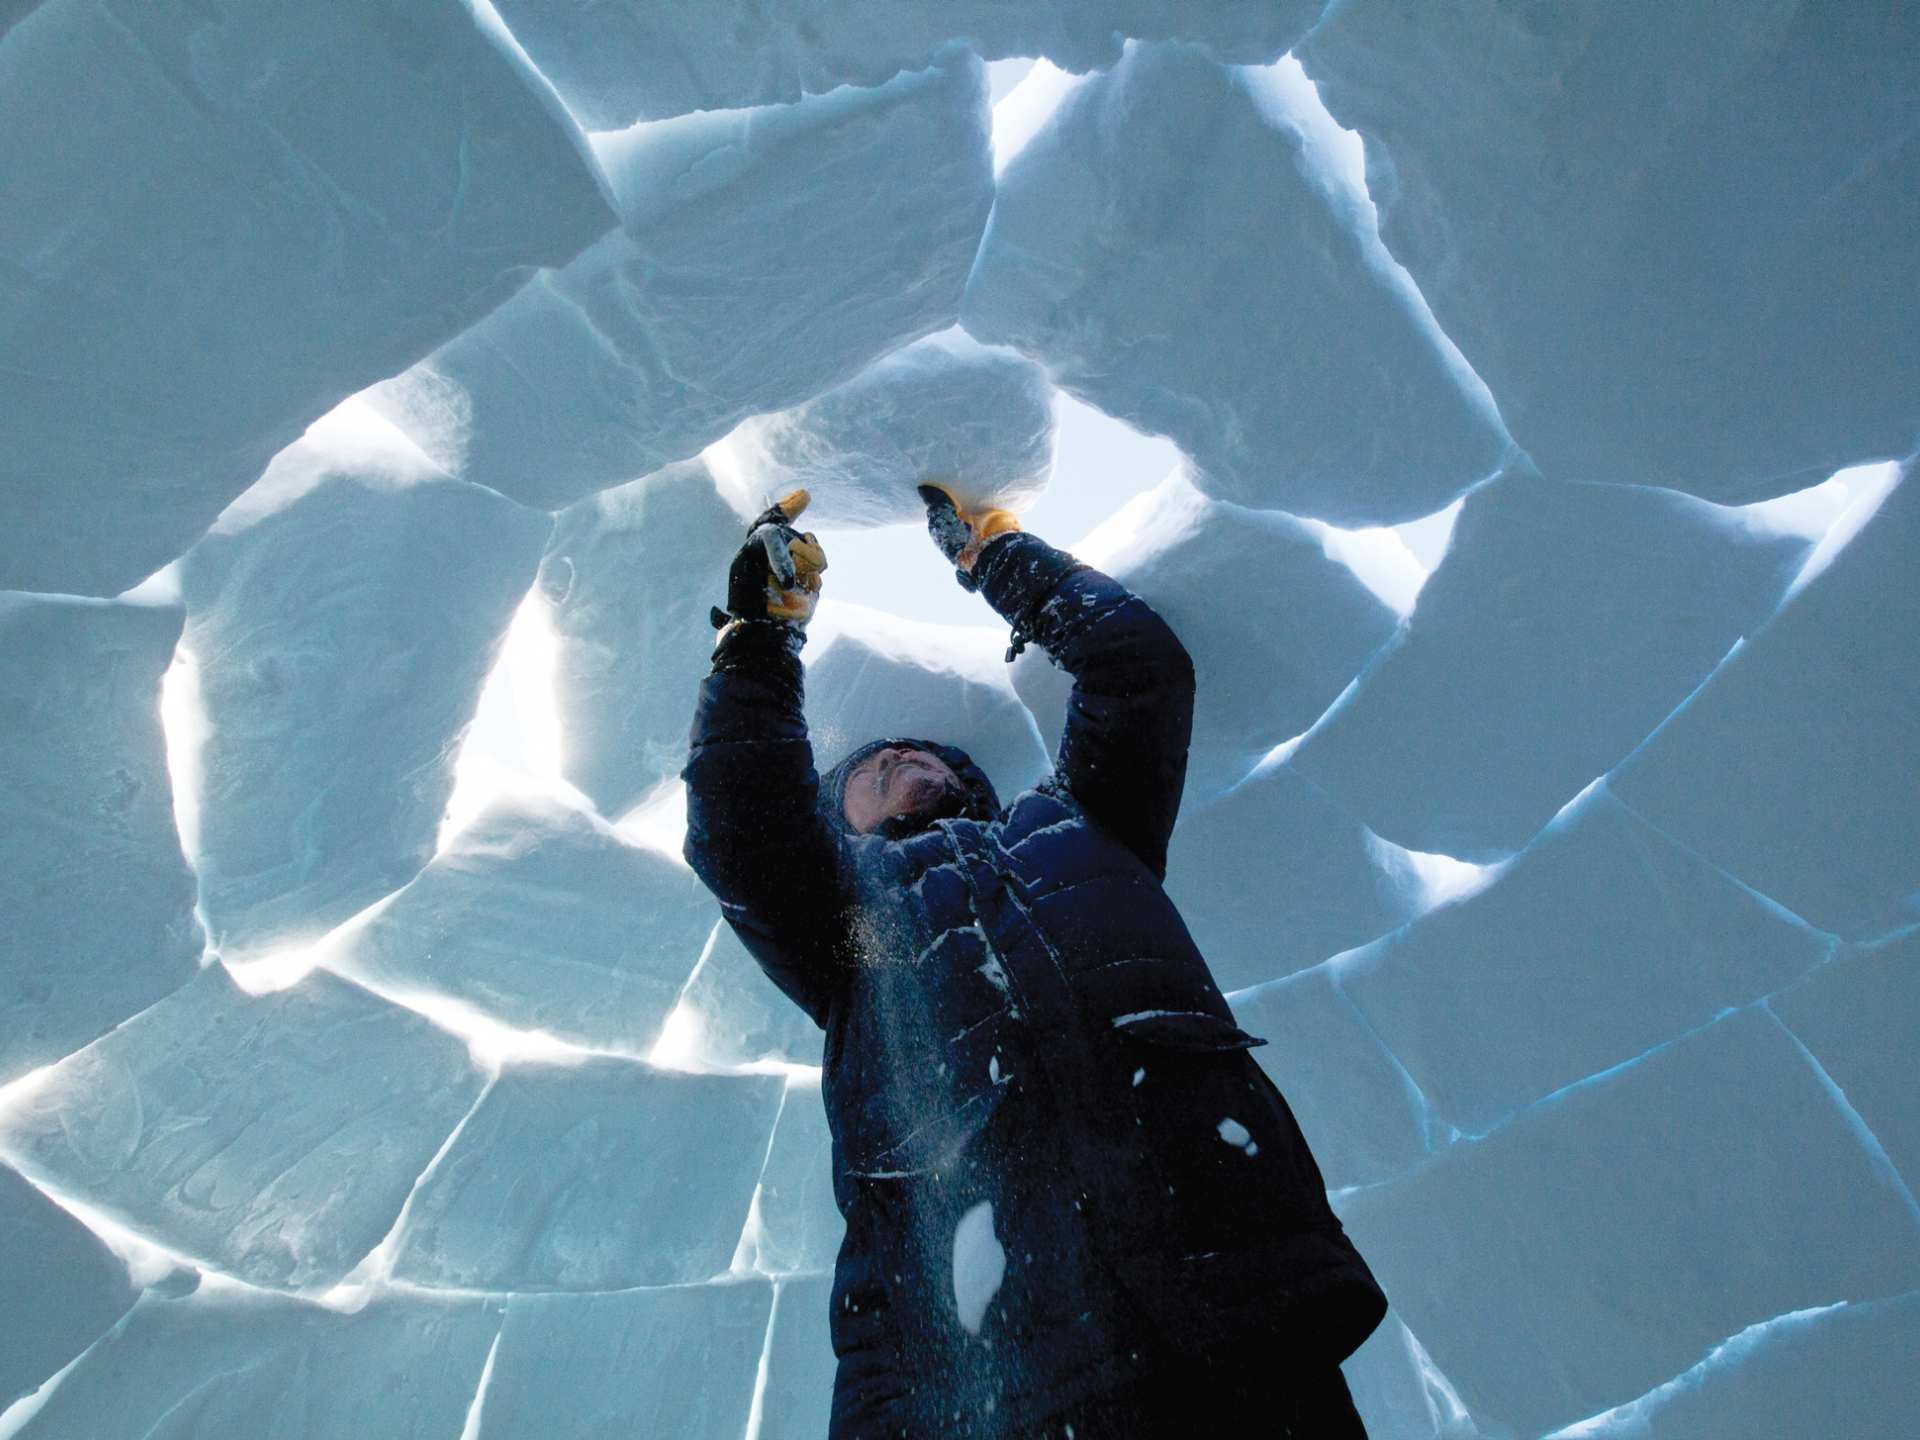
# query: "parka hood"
[981,801]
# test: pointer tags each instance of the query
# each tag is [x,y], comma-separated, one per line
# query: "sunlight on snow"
[659,821]
[514,745]
[1026,108]
[184,728]
[1866,487]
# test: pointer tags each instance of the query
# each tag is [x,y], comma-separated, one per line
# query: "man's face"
[896,781]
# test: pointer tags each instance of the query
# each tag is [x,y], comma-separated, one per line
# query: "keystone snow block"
[977,420]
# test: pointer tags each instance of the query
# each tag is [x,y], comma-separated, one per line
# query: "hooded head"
[975,798]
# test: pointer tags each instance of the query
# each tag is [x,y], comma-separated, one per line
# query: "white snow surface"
[763,256]
[1163,191]
[1527,469]
[976,420]
[221,221]
[1276,626]
[342,621]
[625,60]
[1675,240]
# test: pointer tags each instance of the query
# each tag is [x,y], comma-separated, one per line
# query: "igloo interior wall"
[1512,407]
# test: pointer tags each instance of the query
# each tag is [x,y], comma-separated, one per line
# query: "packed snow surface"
[1511,408]
[220,222]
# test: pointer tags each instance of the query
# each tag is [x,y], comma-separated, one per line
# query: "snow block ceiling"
[1513,408]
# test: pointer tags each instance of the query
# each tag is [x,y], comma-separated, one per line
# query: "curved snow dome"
[1511,406]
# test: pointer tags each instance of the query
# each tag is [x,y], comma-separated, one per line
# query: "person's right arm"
[754,836]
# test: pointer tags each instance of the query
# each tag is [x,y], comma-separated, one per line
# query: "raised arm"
[1123,755]
[754,835]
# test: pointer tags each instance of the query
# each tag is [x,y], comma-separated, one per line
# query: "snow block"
[1273,877]
[234,1362]
[800,1362]
[1669,238]
[1364,1118]
[1859,1017]
[1276,627]
[977,420]
[879,677]
[629,576]
[1623,1228]
[60,1288]
[739,1014]
[220,222]
[595,1176]
[12,12]
[764,256]
[680,1362]
[342,640]
[274,1137]
[800,1225]
[1598,942]
[1167,250]
[541,917]
[1844,1370]
[1399,1395]
[643,60]
[1793,767]
[97,897]
[1565,623]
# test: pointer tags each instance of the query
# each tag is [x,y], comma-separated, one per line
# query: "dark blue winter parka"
[1059,1166]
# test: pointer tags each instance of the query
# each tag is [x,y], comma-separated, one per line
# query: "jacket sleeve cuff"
[760,647]
[1018,572]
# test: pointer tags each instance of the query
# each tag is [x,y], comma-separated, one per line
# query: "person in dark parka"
[1072,1197]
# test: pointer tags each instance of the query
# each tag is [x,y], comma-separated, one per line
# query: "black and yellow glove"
[962,534]
[776,574]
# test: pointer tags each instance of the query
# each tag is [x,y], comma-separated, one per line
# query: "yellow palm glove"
[776,574]
[962,534]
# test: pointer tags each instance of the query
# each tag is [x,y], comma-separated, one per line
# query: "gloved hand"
[776,574]
[962,534]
